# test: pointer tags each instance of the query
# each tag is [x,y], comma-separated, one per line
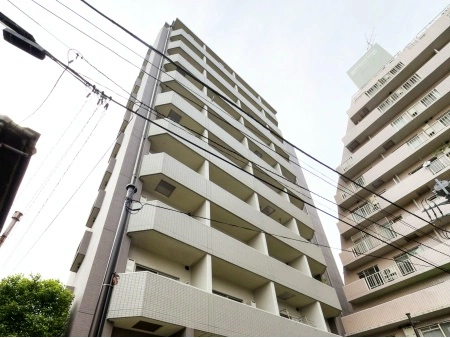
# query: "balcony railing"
[365,210]
[439,163]
[347,164]
[390,274]
[352,187]
[380,233]
[301,319]
[412,81]
[429,131]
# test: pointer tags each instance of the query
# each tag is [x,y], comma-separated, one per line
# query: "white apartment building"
[397,145]
[199,258]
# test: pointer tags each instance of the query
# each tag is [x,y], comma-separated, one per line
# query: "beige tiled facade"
[214,251]
[397,145]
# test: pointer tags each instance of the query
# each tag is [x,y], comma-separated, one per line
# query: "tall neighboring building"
[199,258]
[396,145]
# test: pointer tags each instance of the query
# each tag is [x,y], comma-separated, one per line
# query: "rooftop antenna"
[371,40]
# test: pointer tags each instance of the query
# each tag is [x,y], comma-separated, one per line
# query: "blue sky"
[295,54]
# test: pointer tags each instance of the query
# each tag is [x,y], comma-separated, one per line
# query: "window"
[403,261]
[372,276]
[436,330]
[368,271]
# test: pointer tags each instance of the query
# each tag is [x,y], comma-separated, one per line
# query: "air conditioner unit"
[409,331]
[252,303]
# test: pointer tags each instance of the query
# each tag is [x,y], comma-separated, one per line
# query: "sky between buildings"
[295,54]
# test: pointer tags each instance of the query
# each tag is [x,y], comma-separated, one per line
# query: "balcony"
[428,303]
[389,274]
[300,319]
[181,87]
[421,145]
[403,64]
[399,275]
[432,72]
[192,189]
[413,117]
[366,243]
[364,211]
[223,82]
[194,308]
[193,157]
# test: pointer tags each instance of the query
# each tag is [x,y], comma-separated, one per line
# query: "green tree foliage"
[33,306]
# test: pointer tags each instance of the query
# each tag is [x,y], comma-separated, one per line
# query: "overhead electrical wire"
[225,100]
[188,73]
[85,82]
[56,166]
[45,100]
[63,207]
[64,173]
[135,210]
[344,189]
[258,166]
[58,142]
[215,115]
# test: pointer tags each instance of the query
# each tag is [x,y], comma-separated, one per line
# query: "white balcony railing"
[366,243]
[365,210]
[347,164]
[429,131]
[439,163]
[353,187]
[301,319]
[410,83]
[422,104]
[390,274]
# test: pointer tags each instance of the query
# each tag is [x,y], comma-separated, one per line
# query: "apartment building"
[214,250]
[396,146]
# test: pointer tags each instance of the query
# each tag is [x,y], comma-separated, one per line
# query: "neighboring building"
[199,272]
[399,120]
[17,145]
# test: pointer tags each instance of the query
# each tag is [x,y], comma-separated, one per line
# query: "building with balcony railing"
[396,145]
[214,251]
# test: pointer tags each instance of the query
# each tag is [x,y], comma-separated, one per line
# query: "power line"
[134,211]
[53,147]
[259,166]
[64,206]
[346,190]
[187,72]
[376,236]
[50,175]
[45,100]
[226,99]
[85,82]
[64,174]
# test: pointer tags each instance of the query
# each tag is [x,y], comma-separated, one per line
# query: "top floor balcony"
[424,78]
[422,109]
[413,56]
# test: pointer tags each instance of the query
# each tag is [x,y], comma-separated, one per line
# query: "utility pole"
[413,324]
[15,218]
